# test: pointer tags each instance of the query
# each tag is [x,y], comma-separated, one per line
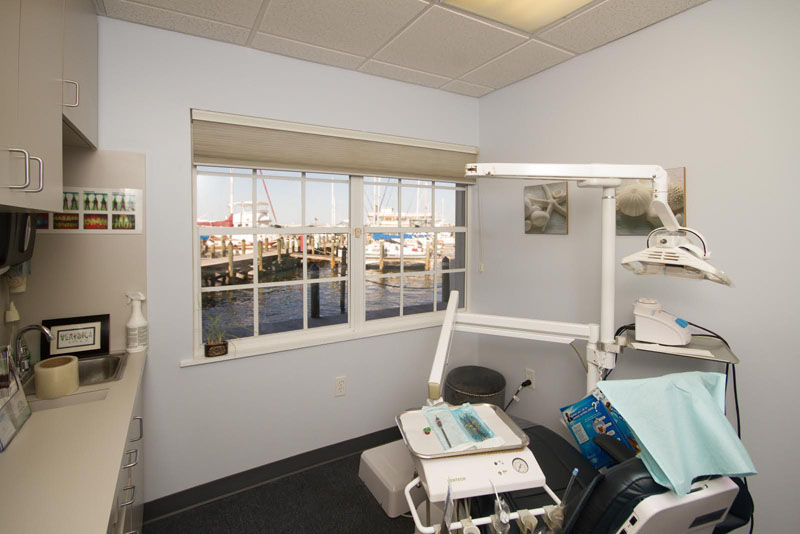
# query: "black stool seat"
[474,384]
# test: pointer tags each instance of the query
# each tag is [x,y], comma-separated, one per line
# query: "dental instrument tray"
[427,446]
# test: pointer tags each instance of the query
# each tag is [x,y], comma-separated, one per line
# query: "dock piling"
[343,284]
[313,273]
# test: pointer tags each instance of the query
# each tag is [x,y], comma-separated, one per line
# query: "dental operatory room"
[399,266]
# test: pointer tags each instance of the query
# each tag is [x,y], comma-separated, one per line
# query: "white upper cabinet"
[31,164]
[80,74]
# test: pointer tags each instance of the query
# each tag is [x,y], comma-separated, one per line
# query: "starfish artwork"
[546,209]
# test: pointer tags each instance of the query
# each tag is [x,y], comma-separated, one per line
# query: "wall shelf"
[702,346]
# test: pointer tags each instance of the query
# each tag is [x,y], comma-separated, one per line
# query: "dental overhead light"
[672,254]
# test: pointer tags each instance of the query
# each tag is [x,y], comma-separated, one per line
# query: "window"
[415,245]
[275,256]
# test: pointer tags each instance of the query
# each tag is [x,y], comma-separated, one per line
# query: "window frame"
[357,326]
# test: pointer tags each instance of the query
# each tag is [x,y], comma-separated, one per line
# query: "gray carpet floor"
[327,498]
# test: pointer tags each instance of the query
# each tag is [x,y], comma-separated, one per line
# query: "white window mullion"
[402,243]
[254,249]
[356,267]
[196,271]
[304,246]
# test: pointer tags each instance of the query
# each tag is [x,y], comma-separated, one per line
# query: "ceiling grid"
[424,42]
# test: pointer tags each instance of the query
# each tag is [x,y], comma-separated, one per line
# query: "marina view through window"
[275,249]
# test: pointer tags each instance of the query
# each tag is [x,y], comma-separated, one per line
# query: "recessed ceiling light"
[527,15]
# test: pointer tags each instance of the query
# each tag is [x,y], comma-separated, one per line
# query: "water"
[281,308]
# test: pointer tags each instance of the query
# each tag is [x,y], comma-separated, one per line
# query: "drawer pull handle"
[77,94]
[141,429]
[133,496]
[41,177]
[135,453]
[27,168]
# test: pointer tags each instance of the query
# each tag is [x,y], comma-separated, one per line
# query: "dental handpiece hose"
[569,485]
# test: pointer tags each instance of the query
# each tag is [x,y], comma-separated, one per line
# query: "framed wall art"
[79,336]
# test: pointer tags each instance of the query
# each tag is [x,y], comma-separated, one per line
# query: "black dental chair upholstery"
[598,503]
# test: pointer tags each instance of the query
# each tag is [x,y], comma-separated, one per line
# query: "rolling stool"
[474,384]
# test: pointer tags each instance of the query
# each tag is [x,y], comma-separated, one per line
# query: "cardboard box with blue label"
[592,416]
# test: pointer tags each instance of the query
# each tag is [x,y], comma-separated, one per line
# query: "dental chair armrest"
[614,448]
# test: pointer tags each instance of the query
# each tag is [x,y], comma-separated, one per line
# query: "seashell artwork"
[633,199]
[546,208]
[634,214]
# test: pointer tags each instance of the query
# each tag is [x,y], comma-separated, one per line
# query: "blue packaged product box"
[592,416]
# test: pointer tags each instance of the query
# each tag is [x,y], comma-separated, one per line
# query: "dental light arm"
[498,325]
[672,253]
[588,175]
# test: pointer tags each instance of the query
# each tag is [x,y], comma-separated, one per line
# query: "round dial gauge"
[520,465]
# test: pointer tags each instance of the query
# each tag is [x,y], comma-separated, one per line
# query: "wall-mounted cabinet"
[48,79]
[80,74]
[30,120]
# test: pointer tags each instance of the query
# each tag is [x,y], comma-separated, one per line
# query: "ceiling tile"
[355,26]
[611,20]
[237,12]
[287,47]
[170,20]
[464,88]
[403,74]
[448,43]
[528,59]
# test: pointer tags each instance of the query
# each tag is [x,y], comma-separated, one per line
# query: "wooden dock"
[238,268]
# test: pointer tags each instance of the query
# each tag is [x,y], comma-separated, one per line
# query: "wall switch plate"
[340,388]
[530,375]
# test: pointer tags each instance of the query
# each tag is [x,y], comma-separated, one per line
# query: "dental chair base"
[699,512]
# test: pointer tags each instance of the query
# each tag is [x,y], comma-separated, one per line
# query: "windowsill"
[309,338]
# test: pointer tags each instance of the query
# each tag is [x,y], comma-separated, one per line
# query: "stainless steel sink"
[92,370]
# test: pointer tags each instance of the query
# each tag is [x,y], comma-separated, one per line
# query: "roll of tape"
[56,377]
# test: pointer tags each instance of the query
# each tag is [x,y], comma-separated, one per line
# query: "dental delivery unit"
[451,465]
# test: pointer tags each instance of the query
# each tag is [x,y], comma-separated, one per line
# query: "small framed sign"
[80,336]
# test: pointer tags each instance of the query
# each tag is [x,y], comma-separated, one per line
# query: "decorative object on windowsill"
[635,215]
[546,209]
[216,343]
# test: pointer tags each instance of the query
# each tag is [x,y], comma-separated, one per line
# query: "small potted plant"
[217,336]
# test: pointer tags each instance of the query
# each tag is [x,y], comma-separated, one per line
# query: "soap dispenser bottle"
[136,327]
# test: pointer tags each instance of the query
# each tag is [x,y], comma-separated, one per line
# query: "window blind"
[236,140]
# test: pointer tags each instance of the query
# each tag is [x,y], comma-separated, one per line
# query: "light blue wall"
[713,89]
[210,421]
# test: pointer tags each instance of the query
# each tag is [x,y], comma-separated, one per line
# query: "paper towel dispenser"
[17,237]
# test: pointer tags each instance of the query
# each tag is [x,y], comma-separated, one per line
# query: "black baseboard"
[216,489]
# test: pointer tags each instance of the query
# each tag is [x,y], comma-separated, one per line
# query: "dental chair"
[624,499]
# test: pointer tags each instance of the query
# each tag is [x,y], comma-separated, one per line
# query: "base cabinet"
[127,509]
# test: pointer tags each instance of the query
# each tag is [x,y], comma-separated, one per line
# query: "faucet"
[23,367]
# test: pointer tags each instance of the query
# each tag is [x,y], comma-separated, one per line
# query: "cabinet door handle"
[135,453]
[133,496]
[77,94]
[141,429]
[41,176]
[27,168]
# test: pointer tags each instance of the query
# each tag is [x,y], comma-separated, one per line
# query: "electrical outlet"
[530,375]
[341,382]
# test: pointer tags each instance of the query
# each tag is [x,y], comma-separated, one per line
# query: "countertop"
[59,473]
